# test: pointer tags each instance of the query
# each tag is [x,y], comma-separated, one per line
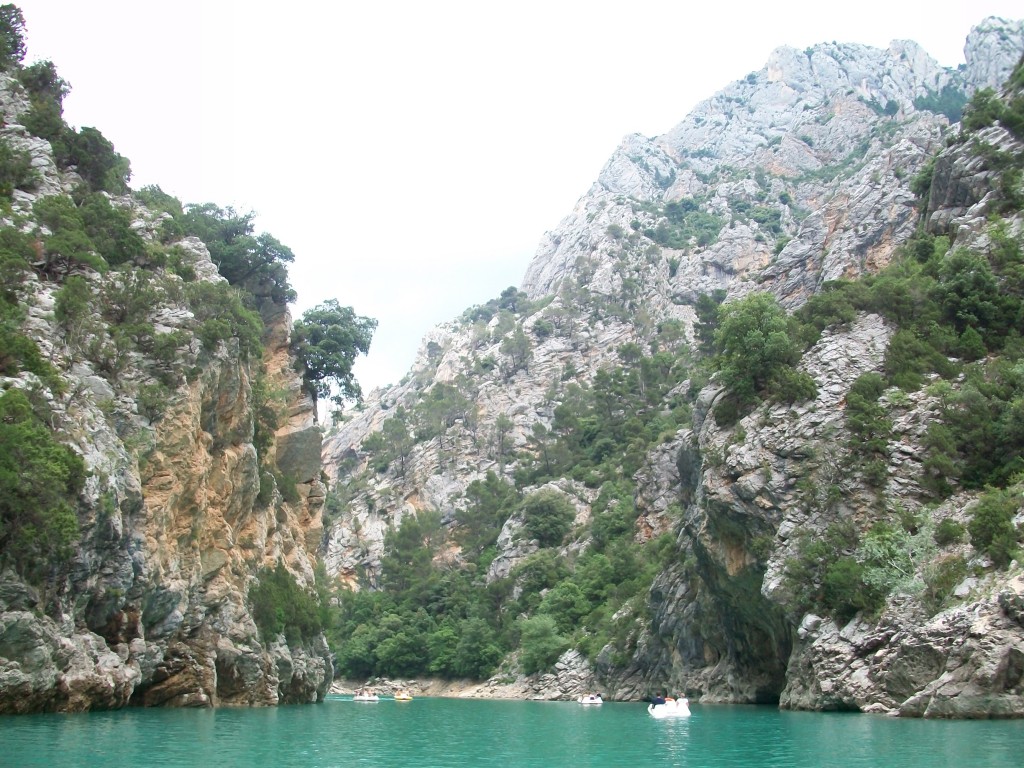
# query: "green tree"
[327,340]
[567,604]
[948,532]
[547,516]
[45,117]
[256,263]
[398,439]
[41,79]
[17,251]
[846,592]
[478,651]
[540,645]
[171,226]
[707,308]
[73,308]
[439,409]
[755,339]
[969,293]
[68,244]
[516,347]
[400,649]
[489,503]
[970,345]
[409,552]
[502,428]
[441,645]
[595,576]
[513,300]
[12,36]
[821,578]
[97,161]
[110,230]
[40,481]
[20,353]
[869,426]
[16,170]
[907,358]
[357,657]
[991,526]
[279,605]
[984,109]
[949,101]
[613,514]
[221,314]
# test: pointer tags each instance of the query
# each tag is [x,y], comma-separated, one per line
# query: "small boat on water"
[669,708]
[403,695]
[591,698]
[364,694]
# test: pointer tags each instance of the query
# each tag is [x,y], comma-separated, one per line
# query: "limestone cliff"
[175,520]
[797,175]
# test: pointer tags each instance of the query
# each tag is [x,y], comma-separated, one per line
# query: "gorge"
[695,450]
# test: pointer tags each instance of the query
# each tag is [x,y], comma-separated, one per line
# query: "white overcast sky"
[412,154]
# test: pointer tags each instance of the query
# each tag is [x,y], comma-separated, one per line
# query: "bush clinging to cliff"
[40,480]
[279,605]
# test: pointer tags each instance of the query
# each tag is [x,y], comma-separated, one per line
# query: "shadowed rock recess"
[830,164]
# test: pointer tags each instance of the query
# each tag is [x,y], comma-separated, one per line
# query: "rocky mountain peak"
[991,52]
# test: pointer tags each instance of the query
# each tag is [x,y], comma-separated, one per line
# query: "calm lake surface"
[429,733]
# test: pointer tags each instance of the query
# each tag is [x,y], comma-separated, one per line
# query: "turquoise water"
[429,733]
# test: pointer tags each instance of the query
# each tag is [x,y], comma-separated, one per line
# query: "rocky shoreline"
[571,678]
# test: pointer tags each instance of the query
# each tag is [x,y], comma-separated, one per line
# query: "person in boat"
[657,699]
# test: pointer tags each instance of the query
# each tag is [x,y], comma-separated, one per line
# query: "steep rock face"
[967,662]
[795,176]
[964,661]
[961,662]
[718,632]
[809,123]
[991,52]
[153,608]
[963,186]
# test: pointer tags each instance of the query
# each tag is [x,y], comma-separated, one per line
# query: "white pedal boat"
[671,708]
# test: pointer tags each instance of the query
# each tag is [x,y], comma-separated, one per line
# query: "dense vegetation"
[958,316]
[680,224]
[433,619]
[598,438]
